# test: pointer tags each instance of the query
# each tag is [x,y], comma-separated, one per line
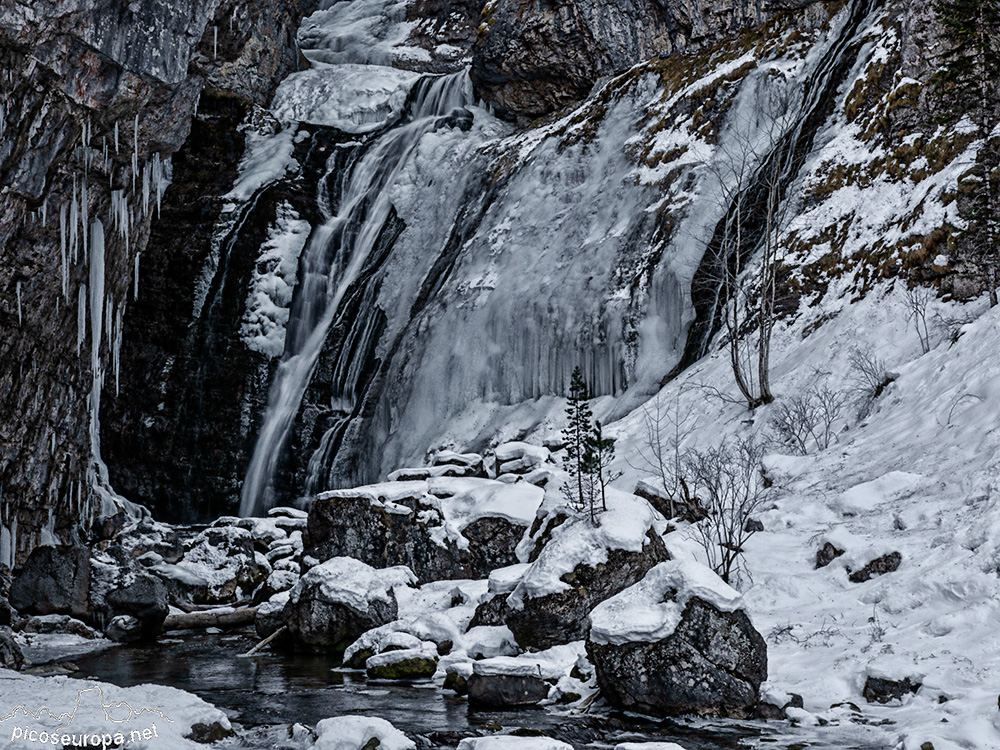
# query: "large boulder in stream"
[678,642]
[440,528]
[582,565]
[91,585]
[337,601]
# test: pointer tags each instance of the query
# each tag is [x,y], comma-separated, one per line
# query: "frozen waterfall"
[334,258]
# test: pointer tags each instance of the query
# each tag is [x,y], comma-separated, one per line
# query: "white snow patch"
[651,609]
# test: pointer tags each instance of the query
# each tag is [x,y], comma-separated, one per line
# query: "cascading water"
[335,257]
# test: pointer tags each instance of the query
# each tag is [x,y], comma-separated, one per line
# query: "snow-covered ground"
[918,476]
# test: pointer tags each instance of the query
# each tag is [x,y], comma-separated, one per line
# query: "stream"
[264,694]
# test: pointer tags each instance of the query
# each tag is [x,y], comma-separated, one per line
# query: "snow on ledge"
[639,613]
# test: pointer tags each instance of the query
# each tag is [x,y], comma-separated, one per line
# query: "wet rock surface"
[533,57]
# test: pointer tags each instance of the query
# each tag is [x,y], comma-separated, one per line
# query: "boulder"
[403,664]
[886,690]
[124,629]
[877,567]
[221,566]
[120,586]
[676,643]
[513,742]
[440,528]
[59,624]
[495,684]
[580,567]
[337,601]
[360,733]
[54,581]
[827,554]
[10,653]
[271,615]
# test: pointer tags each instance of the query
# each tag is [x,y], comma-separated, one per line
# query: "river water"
[265,694]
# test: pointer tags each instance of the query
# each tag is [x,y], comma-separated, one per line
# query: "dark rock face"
[882,690]
[505,691]
[877,567]
[353,526]
[493,611]
[405,668]
[712,665]
[536,56]
[54,581]
[73,72]
[10,653]
[559,618]
[826,555]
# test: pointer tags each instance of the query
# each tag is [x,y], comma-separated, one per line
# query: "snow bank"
[651,609]
[355,732]
[71,706]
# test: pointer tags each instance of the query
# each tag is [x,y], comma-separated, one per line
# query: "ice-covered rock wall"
[94,98]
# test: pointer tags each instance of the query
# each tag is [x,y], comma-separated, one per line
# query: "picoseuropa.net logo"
[28,728]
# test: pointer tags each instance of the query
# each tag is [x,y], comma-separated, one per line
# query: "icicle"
[109,304]
[215,42]
[145,188]
[135,151]
[62,251]
[158,179]
[116,350]
[74,216]
[84,201]
[45,211]
[17,288]
[116,136]
[81,318]
[135,287]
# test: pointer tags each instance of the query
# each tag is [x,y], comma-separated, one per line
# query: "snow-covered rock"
[506,742]
[678,642]
[336,601]
[358,733]
[582,565]
[441,527]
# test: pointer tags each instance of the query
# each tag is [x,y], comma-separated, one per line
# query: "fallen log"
[212,618]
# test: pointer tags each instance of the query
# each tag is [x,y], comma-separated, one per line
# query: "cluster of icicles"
[82,241]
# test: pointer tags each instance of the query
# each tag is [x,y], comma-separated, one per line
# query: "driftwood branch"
[277,633]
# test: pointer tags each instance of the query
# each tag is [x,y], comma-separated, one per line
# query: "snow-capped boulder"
[678,642]
[359,733]
[442,527]
[887,563]
[340,599]
[505,683]
[271,614]
[581,566]
[418,663]
[519,458]
[512,742]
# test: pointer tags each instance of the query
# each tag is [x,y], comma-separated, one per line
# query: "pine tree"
[575,434]
[969,79]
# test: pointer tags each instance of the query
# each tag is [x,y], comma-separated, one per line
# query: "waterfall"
[334,258]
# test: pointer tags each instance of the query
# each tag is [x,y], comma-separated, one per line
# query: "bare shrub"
[917,300]
[662,453]
[730,484]
[870,377]
[807,422]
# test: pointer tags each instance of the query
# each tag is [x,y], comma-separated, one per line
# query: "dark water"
[268,690]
